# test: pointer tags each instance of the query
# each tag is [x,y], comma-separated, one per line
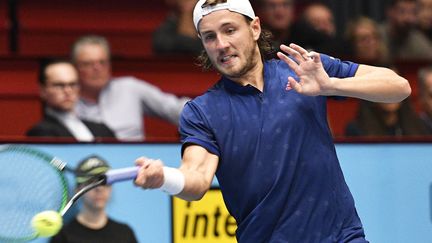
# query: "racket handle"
[124,174]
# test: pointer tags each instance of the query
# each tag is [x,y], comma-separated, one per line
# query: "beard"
[250,57]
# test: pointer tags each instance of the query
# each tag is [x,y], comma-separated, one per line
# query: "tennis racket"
[31,182]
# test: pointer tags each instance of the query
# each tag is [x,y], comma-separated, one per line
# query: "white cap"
[240,6]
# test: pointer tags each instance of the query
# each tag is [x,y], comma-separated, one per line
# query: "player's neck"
[254,77]
[93,219]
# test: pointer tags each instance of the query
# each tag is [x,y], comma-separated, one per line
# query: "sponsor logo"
[206,220]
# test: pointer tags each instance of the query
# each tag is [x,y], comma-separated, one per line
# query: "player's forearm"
[377,85]
[195,185]
[198,168]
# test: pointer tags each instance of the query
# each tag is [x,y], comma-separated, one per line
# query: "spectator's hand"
[313,80]
[150,175]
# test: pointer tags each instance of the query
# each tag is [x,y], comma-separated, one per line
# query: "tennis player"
[262,130]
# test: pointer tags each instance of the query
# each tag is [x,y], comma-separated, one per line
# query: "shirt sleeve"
[338,68]
[194,129]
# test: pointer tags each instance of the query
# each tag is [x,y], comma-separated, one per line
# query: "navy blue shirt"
[278,170]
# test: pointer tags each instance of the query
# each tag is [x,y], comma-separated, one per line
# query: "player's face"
[97,198]
[230,42]
[61,87]
[94,67]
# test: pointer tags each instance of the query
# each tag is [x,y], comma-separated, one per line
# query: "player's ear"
[256,28]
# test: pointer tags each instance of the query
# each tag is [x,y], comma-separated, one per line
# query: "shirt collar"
[247,89]
[59,114]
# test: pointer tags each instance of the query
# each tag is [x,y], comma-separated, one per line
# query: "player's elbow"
[195,192]
[192,196]
[404,89]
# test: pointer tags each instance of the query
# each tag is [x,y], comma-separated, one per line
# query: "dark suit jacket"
[51,127]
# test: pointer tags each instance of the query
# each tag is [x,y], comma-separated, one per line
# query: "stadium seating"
[20,105]
[4,28]
[340,113]
[49,27]
[19,100]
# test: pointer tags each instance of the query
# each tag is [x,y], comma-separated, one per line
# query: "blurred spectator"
[425,96]
[92,223]
[425,17]
[399,32]
[277,16]
[59,89]
[316,30]
[365,43]
[385,119]
[177,34]
[321,18]
[120,102]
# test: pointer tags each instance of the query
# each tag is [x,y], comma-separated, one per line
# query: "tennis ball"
[47,223]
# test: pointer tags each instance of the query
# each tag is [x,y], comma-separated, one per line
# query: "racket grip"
[123,174]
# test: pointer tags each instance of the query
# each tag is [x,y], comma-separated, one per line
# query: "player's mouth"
[227,59]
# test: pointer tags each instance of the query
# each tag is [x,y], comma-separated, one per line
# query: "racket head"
[30,182]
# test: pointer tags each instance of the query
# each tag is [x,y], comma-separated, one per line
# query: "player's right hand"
[150,174]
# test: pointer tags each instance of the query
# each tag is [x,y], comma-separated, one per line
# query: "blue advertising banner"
[391,184]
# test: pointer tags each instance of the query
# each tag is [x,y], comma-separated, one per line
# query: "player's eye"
[209,37]
[230,31]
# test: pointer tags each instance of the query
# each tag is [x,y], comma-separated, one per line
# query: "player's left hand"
[313,80]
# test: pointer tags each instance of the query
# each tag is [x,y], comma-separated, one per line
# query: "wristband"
[174,181]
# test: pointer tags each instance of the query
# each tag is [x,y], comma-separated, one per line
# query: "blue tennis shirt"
[278,170]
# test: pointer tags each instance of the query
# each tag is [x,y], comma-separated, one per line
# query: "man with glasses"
[59,90]
[119,102]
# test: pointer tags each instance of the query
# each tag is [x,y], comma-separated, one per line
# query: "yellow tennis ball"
[47,223]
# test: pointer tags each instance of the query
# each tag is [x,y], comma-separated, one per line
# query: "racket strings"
[29,185]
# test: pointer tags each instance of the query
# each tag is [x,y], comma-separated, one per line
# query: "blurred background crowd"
[89,70]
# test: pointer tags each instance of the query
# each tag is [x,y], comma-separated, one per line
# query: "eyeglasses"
[63,86]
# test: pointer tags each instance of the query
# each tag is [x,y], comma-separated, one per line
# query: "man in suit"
[59,90]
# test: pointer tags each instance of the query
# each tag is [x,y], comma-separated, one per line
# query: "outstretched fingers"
[292,83]
[293,65]
[315,56]
[300,56]
[297,52]
[300,50]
